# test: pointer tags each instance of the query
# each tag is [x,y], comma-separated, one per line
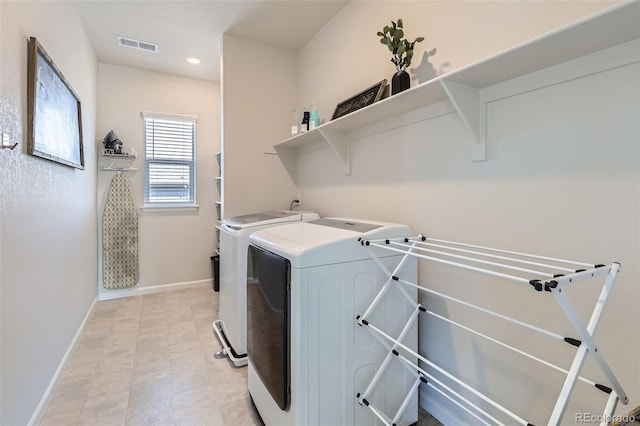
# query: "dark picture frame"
[54,115]
[365,98]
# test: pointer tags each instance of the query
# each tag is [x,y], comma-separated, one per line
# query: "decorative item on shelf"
[314,118]
[365,98]
[112,145]
[305,121]
[402,53]
[124,152]
[294,121]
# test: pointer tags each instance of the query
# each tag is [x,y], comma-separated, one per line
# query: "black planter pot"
[400,81]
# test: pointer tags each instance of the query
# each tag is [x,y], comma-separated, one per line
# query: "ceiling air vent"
[138,44]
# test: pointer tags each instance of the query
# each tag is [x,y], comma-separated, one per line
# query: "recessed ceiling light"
[193,60]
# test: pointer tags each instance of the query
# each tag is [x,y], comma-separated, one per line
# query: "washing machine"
[231,326]
[308,357]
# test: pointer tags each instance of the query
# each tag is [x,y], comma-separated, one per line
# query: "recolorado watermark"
[599,418]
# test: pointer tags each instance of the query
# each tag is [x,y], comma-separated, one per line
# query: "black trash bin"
[215,261]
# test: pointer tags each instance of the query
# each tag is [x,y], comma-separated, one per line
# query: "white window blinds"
[169,160]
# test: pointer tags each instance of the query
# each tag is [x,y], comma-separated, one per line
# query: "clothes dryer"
[308,357]
[231,326]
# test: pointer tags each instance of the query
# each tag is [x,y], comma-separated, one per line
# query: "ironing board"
[120,236]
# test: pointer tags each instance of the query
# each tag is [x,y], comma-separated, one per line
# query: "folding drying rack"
[550,275]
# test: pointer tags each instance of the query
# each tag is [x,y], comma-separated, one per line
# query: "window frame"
[150,204]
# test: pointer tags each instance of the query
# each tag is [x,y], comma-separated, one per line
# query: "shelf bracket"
[466,100]
[289,159]
[338,141]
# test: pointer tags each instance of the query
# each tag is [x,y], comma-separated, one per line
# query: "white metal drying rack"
[551,275]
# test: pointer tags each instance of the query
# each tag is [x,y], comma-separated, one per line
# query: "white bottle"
[294,122]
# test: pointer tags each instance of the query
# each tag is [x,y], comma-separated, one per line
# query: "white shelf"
[125,154]
[119,162]
[609,28]
[218,203]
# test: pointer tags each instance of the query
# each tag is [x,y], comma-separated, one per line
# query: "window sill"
[169,208]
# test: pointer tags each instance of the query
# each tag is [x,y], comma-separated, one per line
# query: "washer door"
[268,304]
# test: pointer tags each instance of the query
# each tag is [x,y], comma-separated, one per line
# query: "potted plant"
[402,53]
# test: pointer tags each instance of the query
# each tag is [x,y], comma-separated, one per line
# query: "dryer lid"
[264,218]
[325,241]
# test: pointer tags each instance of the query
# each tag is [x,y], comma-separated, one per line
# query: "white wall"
[346,56]
[174,246]
[561,179]
[1,210]
[49,235]
[258,92]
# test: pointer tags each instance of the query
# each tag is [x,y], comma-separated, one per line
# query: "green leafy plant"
[401,48]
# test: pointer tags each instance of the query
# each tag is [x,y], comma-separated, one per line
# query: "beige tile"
[153,389]
[135,367]
[105,403]
[78,369]
[232,390]
[68,399]
[119,351]
[127,338]
[178,313]
[193,399]
[187,362]
[152,341]
[151,412]
[115,363]
[128,313]
[187,347]
[86,355]
[90,342]
[110,381]
[153,321]
[202,307]
[131,302]
[152,309]
[63,420]
[98,328]
[203,322]
[78,388]
[107,306]
[178,327]
[184,381]
[157,329]
[125,326]
[117,418]
[144,358]
[199,417]
[151,371]
[181,337]
[239,413]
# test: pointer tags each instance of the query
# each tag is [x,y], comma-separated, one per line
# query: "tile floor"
[148,360]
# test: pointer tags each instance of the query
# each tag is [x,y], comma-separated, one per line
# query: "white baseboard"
[38,413]
[139,291]
[443,411]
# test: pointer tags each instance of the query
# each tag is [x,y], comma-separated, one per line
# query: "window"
[169,160]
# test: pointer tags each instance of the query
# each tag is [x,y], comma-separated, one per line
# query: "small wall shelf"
[218,202]
[463,87]
[119,162]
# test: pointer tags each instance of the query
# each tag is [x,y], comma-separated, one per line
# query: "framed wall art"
[365,98]
[54,117]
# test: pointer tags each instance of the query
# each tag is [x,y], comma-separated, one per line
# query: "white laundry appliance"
[231,326]
[308,357]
